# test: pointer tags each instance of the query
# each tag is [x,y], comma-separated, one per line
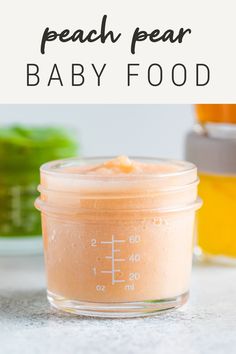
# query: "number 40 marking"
[134,257]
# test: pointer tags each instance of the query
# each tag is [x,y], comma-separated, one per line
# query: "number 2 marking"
[94,242]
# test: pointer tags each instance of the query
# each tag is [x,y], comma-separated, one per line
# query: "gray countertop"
[28,325]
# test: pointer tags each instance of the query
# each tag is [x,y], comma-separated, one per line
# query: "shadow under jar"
[118,234]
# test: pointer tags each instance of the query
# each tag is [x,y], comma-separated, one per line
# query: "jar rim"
[120,191]
[55,168]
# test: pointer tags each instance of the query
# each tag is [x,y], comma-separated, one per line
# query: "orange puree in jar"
[118,231]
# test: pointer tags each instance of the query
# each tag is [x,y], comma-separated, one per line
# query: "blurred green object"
[23,150]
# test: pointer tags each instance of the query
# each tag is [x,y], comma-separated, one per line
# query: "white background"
[212,41]
[145,130]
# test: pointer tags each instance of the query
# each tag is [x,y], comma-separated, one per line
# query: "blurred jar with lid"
[22,150]
[212,147]
[214,157]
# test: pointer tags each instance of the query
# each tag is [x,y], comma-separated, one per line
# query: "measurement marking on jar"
[129,287]
[114,260]
[119,281]
[101,288]
[119,260]
[113,241]
[110,271]
[94,271]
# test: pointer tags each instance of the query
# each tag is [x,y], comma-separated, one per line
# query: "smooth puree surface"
[122,165]
[113,234]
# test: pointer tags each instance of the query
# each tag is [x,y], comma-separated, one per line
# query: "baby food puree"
[118,231]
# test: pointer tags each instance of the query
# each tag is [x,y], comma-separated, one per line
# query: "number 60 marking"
[134,239]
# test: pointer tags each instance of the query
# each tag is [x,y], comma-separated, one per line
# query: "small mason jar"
[118,243]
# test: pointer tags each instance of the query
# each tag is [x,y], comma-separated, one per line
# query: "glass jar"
[216,113]
[118,243]
[215,159]
[22,151]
